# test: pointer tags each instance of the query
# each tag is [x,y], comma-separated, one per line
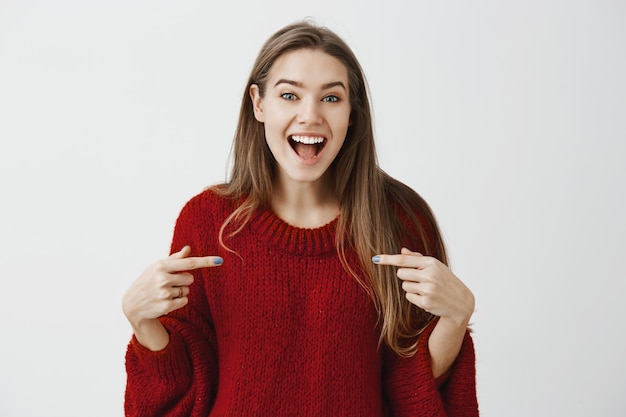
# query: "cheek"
[339,120]
[347,118]
[273,136]
[342,125]
[275,119]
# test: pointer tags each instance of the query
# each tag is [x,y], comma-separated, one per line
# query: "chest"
[285,293]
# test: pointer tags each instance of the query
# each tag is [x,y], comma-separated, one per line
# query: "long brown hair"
[375,210]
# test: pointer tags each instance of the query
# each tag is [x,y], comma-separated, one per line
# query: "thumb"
[183,253]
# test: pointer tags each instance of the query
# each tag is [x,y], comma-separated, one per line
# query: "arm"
[171,358]
[430,285]
[411,390]
[444,345]
[162,288]
[165,382]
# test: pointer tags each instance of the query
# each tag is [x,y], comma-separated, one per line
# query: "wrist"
[461,317]
[151,334]
[455,322]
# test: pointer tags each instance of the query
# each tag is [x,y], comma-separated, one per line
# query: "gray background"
[508,117]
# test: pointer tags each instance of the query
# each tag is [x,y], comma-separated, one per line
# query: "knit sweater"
[281,329]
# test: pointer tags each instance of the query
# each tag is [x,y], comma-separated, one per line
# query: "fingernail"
[376,259]
[218,261]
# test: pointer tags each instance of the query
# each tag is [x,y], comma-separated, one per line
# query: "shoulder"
[407,205]
[200,219]
[404,198]
[414,219]
[206,208]
[208,202]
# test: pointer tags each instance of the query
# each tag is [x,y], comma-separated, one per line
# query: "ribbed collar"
[295,240]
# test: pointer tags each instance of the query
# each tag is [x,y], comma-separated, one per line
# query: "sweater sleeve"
[181,379]
[412,390]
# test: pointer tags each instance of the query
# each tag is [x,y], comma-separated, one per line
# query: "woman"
[290,290]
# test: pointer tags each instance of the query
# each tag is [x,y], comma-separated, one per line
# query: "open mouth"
[307,147]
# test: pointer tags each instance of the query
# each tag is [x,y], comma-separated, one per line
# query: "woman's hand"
[163,287]
[430,285]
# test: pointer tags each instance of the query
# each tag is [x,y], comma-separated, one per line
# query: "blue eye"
[288,96]
[330,99]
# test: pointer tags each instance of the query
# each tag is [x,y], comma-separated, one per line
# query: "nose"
[309,112]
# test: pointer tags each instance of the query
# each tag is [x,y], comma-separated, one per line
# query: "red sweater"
[281,329]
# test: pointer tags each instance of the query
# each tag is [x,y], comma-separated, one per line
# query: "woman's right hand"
[163,287]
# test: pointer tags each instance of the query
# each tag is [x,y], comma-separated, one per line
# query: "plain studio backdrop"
[508,117]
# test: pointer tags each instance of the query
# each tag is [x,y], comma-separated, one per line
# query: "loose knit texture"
[281,329]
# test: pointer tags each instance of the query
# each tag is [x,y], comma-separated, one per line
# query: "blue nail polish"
[218,261]
[376,259]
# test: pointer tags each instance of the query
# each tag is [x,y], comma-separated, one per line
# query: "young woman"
[291,289]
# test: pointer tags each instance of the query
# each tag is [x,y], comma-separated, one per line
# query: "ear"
[257,103]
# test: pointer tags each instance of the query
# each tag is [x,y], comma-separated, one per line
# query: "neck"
[303,204]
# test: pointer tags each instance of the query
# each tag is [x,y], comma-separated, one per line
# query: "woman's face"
[305,112]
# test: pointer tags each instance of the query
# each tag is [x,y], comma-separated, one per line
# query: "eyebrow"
[299,84]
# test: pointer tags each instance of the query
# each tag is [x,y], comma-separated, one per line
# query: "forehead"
[311,67]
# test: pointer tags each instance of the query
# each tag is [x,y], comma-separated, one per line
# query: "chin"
[305,176]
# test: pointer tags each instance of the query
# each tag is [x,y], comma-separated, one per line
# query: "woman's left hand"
[431,285]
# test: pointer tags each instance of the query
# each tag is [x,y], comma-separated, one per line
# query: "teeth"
[308,140]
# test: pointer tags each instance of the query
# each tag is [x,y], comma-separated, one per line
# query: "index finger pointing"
[194,262]
[397,260]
